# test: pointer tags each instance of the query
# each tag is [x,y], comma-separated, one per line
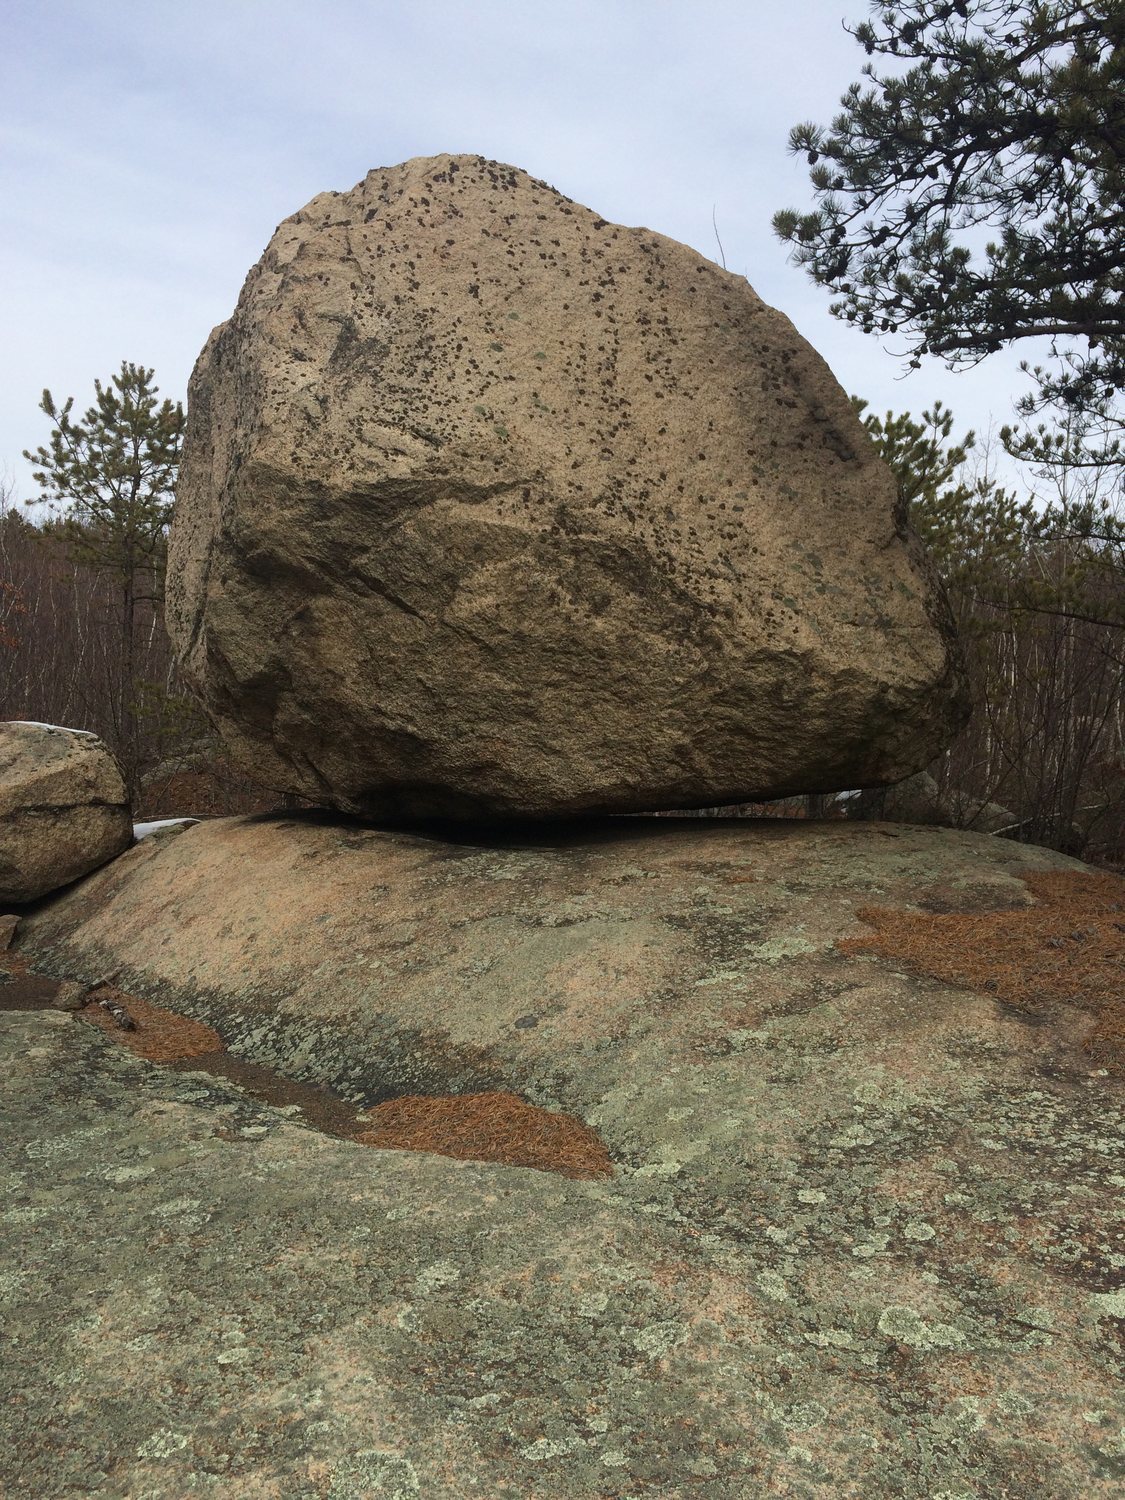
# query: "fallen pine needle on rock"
[1066,948]
[497,1127]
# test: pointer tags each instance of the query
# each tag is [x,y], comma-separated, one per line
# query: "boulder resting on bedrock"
[490,507]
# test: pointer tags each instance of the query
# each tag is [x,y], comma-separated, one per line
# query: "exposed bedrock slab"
[491,507]
[861,1239]
[63,808]
[580,966]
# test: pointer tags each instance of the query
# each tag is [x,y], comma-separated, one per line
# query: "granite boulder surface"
[490,508]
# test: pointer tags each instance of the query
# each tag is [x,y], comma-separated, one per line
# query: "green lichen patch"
[864,1230]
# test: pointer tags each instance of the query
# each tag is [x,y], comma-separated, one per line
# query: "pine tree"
[110,477]
[972,195]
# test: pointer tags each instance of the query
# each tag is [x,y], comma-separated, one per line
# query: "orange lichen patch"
[1066,949]
[497,1127]
[160,1035]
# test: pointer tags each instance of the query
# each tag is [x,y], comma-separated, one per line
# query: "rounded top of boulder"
[618,344]
[45,765]
[492,506]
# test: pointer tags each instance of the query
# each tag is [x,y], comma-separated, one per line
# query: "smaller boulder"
[63,808]
[919,799]
[976,816]
[915,800]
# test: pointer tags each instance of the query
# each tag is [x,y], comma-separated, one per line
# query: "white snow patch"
[142,830]
[87,734]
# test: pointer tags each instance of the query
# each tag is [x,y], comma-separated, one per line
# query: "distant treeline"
[70,655]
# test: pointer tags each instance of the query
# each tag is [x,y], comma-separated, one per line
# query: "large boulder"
[63,808]
[491,507]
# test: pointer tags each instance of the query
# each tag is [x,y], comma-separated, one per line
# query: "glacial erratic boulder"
[63,808]
[490,507]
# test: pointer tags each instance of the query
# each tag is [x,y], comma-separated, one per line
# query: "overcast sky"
[148,150]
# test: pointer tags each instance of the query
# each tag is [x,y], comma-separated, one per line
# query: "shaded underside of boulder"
[491,507]
[859,1238]
[63,808]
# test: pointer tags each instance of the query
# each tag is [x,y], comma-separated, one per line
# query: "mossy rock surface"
[863,1236]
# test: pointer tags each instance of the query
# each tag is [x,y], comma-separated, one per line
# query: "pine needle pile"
[1068,949]
[159,1035]
[497,1127]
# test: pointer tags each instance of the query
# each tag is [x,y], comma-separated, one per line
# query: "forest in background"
[64,660]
